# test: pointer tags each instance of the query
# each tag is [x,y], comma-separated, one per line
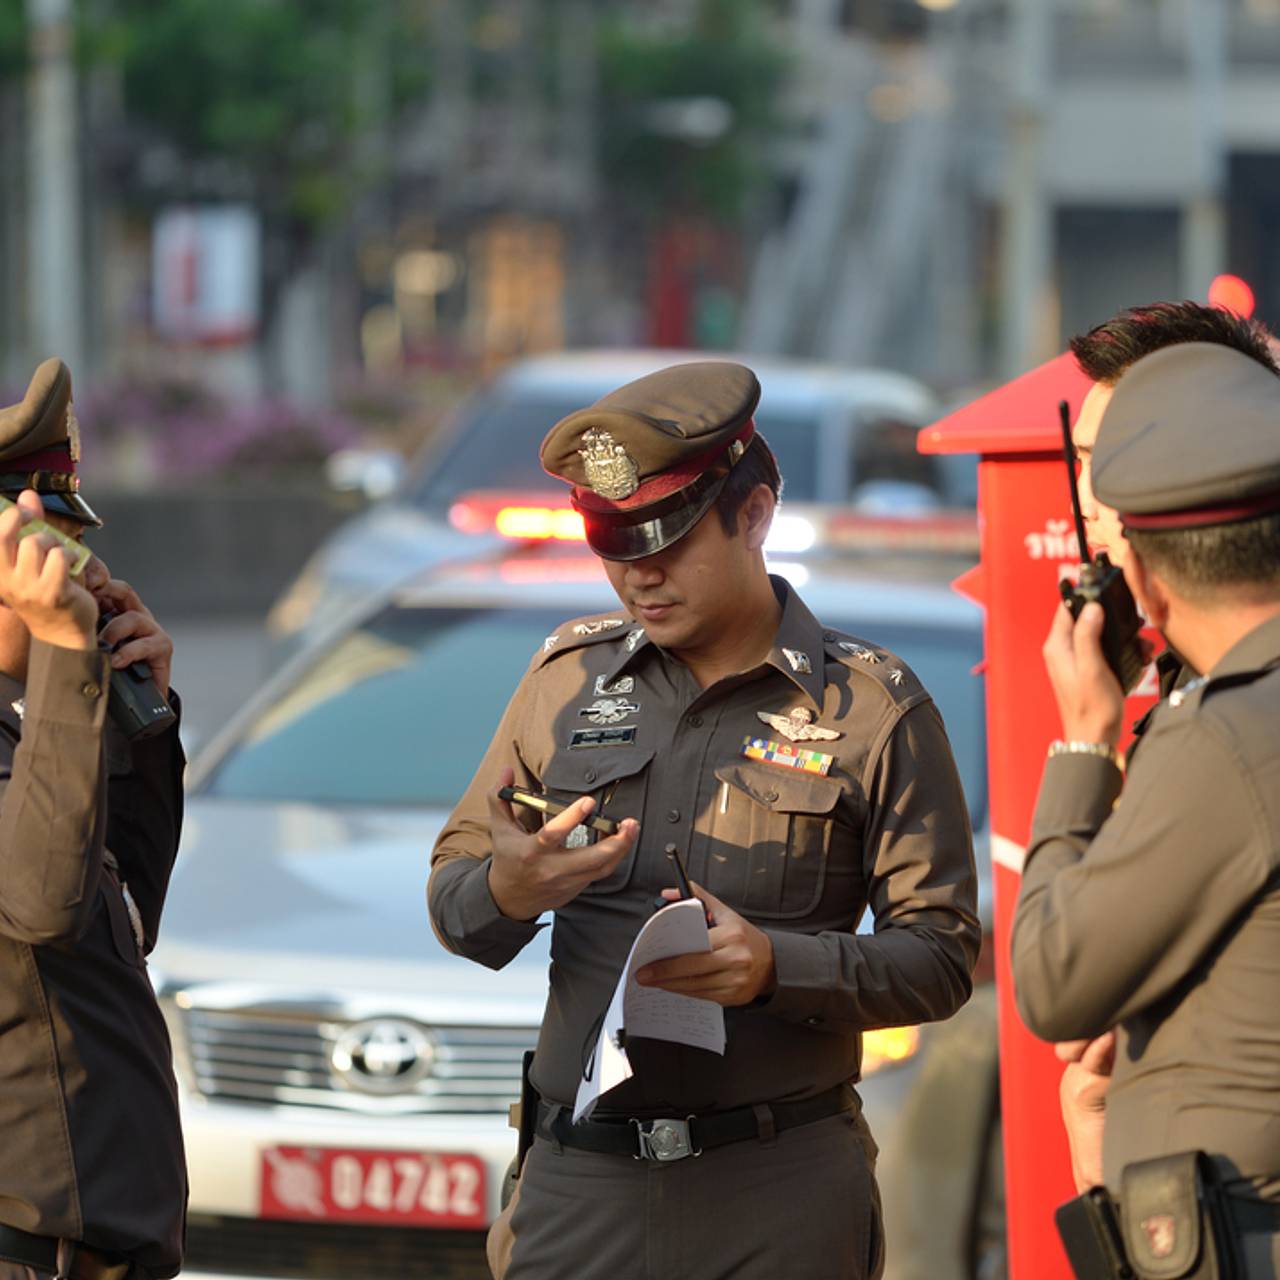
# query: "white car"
[842,437]
[346,1081]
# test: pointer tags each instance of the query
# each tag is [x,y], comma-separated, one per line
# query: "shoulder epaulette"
[877,664]
[580,632]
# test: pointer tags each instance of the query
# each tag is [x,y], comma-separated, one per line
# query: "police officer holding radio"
[1156,909]
[1105,353]
[93,1182]
[803,774]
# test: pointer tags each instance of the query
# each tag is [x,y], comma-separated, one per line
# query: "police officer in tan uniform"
[802,773]
[1104,354]
[1163,916]
[92,1178]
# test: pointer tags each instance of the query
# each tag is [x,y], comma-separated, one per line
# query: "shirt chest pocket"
[771,836]
[618,780]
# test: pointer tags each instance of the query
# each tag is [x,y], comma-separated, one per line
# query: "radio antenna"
[1068,452]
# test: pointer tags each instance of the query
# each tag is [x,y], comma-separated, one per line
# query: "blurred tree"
[686,108]
[13,38]
[278,88]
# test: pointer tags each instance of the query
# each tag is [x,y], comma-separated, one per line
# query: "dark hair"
[1105,352]
[757,466]
[1196,562]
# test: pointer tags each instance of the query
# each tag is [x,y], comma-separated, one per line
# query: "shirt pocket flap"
[783,791]
[581,772]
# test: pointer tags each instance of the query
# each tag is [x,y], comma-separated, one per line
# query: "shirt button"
[696,721]
[89,689]
[771,797]
[590,775]
[813,1021]
[673,815]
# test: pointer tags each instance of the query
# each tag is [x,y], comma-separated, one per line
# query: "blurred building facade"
[949,187]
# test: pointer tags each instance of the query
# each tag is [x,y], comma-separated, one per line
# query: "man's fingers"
[556,830]
[1071,1050]
[30,505]
[1099,1055]
[127,626]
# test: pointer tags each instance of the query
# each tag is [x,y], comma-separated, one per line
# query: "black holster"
[1177,1223]
[528,1112]
[1172,1222]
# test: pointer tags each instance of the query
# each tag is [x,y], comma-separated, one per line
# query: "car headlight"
[888,1047]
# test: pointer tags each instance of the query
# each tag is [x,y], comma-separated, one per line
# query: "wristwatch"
[1059,747]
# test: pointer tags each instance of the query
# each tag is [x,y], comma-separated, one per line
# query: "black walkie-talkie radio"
[1104,582]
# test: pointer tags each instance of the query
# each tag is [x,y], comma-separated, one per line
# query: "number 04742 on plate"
[325,1184]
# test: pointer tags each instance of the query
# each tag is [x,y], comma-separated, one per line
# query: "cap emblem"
[73,435]
[611,471]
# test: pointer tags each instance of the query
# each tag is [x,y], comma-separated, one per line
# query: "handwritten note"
[678,929]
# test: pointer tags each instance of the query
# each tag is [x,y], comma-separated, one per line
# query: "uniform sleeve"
[917,966]
[463,913]
[52,814]
[145,820]
[1117,907]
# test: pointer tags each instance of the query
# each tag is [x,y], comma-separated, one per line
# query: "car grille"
[247,1056]
[332,1251]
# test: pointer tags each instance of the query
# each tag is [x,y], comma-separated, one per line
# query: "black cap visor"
[61,502]
[632,535]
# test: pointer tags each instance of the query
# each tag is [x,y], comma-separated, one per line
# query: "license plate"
[396,1188]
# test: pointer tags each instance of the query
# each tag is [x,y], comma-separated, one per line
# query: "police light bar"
[522,517]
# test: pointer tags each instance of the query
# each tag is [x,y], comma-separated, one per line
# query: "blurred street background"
[263,232]
[288,246]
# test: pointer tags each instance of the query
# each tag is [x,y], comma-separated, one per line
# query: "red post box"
[1028,543]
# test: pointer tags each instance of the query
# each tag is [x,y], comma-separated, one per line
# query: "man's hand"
[530,874]
[35,584]
[139,636]
[1083,1095]
[737,969]
[1090,700]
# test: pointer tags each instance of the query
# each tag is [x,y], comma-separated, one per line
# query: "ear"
[756,515]
[1148,589]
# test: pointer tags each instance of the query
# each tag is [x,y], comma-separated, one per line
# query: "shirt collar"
[798,647]
[1253,652]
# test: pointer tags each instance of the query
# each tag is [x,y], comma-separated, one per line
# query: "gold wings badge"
[797,726]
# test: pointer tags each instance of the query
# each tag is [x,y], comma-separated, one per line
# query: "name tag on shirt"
[623,736]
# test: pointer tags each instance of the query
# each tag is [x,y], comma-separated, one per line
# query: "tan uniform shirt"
[604,711]
[1164,917]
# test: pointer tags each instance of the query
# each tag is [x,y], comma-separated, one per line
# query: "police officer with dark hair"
[803,774]
[1104,354]
[93,1182]
[1156,908]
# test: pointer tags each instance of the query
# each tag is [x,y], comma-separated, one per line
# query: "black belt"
[41,1254]
[676,1138]
[1251,1217]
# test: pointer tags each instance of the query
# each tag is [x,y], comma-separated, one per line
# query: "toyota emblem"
[383,1055]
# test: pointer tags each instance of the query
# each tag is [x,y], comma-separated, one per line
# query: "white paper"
[679,929]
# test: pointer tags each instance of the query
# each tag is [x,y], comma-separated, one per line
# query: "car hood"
[308,902]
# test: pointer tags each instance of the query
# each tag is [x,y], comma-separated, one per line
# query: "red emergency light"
[522,517]
[1231,293]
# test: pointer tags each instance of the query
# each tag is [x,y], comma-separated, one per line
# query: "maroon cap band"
[1202,517]
[57,458]
[664,483]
